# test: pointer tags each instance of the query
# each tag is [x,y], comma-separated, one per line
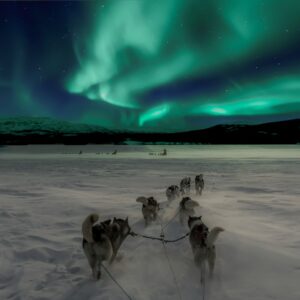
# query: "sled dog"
[150,208]
[172,192]
[185,186]
[199,184]
[102,240]
[203,243]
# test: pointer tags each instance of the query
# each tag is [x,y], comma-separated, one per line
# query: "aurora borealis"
[151,65]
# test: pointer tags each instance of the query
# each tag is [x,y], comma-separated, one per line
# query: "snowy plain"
[251,191]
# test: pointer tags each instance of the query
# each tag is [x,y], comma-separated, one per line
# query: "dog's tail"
[142,200]
[87,227]
[213,235]
[190,204]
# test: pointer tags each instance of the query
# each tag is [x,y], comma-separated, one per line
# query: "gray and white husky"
[199,184]
[173,192]
[150,208]
[186,209]
[185,186]
[203,243]
[102,240]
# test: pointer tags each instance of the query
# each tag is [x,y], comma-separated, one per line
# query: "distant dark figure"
[80,152]
[115,152]
[172,192]
[185,185]
[199,184]
[164,152]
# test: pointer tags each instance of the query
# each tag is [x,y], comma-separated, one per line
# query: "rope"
[116,282]
[162,234]
[172,270]
[163,227]
[162,239]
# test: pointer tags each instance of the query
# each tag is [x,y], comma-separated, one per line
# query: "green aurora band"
[133,47]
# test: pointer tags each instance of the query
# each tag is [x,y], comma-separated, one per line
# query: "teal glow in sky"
[153,65]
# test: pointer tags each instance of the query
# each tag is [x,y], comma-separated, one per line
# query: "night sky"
[159,65]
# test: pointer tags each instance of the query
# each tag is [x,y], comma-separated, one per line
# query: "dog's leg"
[147,220]
[202,267]
[90,254]
[97,269]
[154,216]
[211,258]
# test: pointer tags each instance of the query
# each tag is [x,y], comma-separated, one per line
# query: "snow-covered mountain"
[25,125]
[49,131]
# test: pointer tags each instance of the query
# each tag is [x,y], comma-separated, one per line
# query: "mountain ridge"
[23,130]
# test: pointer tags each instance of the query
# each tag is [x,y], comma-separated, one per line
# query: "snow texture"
[251,191]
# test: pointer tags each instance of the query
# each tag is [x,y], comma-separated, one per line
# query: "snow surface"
[251,191]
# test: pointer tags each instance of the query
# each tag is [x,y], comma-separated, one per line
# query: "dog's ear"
[115,220]
[126,220]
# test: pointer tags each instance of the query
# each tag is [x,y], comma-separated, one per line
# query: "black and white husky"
[186,209]
[102,240]
[199,184]
[202,242]
[173,192]
[185,186]
[150,208]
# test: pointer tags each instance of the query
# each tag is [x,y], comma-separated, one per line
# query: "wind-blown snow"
[46,192]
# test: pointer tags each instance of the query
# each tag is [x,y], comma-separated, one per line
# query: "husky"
[202,242]
[186,209]
[185,186]
[150,208]
[102,240]
[172,192]
[199,184]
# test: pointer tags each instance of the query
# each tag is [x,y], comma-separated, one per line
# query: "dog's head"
[121,226]
[192,221]
[176,190]
[152,202]
[186,180]
[148,202]
[106,224]
[199,177]
[196,223]
[98,231]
